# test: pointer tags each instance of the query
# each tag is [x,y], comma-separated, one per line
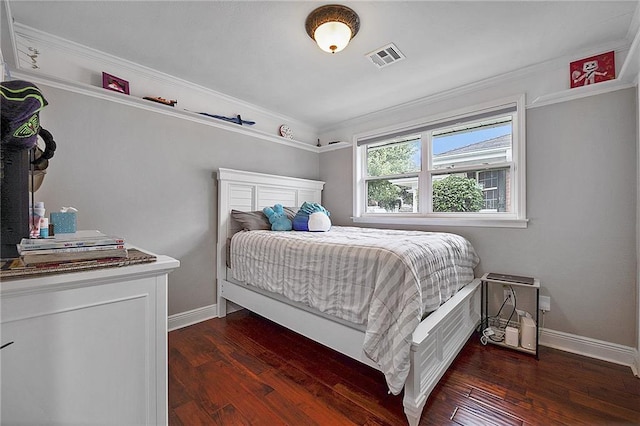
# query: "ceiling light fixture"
[332,26]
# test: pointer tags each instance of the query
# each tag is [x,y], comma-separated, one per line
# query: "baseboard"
[191,317]
[598,349]
[194,316]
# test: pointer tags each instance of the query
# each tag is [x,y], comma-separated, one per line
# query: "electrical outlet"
[507,296]
[545,303]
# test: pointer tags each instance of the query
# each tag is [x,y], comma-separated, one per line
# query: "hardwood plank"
[317,390]
[385,407]
[466,416]
[192,414]
[318,410]
[315,358]
[617,413]
[484,411]
[243,391]
[191,386]
[190,343]
[229,416]
[173,419]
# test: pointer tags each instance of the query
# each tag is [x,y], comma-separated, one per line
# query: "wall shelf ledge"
[100,93]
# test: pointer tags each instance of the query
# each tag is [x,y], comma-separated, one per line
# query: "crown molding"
[634,28]
[631,66]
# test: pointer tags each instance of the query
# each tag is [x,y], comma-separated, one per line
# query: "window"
[393,168]
[464,169]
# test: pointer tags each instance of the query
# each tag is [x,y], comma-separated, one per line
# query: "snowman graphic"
[588,74]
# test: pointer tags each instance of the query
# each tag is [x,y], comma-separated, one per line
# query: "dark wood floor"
[245,370]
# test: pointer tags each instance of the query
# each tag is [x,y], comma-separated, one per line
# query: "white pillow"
[319,222]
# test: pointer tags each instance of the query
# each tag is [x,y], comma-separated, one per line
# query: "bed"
[432,342]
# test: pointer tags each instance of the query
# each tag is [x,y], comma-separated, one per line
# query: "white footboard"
[436,342]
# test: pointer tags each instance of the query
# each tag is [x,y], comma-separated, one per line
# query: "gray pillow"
[251,221]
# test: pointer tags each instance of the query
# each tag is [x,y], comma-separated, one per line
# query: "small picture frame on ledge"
[592,70]
[111,82]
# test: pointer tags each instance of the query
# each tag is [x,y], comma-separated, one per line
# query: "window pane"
[392,195]
[394,158]
[453,193]
[496,187]
[474,191]
[472,144]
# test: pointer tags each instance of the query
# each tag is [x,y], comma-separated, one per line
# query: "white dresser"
[88,347]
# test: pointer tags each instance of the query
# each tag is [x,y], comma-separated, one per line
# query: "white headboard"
[249,191]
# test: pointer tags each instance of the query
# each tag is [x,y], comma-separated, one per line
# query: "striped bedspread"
[386,280]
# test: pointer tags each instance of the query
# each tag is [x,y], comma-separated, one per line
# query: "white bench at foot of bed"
[436,341]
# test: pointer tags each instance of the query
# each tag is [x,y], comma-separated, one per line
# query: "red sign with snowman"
[593,70]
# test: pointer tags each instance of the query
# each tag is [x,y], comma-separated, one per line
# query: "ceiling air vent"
[385,55]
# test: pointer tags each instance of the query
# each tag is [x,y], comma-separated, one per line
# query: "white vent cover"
[385,55]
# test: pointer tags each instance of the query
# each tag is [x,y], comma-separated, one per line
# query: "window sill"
[444,221]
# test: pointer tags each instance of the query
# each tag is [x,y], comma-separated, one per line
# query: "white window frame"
[514,219]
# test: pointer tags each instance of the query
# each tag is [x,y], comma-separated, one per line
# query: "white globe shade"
[332,37]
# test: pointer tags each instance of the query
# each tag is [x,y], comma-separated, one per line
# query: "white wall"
[149,178]
[581,201]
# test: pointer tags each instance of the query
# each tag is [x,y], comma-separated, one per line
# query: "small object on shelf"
[511,336]
[593,69]
[286,132]
[37,213]
[160,100]
[111,82]
[60,255]
[81,246]
[332,142]
[528,332]
[65,220]
[65,241]
[510,278]
[44,227]
[237,119]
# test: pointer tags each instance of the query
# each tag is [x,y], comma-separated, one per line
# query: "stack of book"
[76,247]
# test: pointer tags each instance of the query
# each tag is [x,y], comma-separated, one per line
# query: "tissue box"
[63,223]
